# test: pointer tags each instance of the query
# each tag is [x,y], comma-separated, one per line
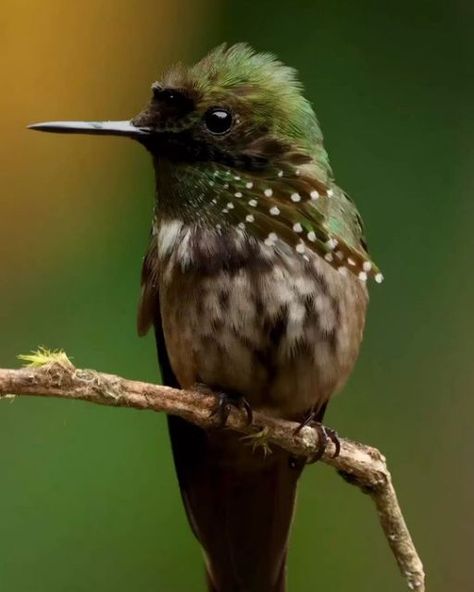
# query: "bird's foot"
[225,403]
[259,440]
[325,435]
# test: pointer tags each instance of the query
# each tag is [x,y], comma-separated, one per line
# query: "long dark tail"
[239,505]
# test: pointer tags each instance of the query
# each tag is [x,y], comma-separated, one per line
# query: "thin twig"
[361,465]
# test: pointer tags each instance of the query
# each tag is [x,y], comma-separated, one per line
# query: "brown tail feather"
[239,504]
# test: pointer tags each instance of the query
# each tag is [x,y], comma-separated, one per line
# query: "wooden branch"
[53,375]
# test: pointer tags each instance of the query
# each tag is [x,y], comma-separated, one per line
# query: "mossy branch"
[52,374]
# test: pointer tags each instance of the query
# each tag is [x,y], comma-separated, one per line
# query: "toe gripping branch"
[226,401]
[225,404]
[325,435]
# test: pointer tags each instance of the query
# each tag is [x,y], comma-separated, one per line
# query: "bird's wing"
[302,211]
[149,297]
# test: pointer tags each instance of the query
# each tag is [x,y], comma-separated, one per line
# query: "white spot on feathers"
[271,239]
[379,278]
[168,233]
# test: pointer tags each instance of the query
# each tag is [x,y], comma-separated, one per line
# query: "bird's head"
[236,144]
[234,108]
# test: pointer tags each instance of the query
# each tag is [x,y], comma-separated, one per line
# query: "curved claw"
[324,436]
[332,435]
[309,420]
[225,404]
[248,410]
[222,410]
[322,443]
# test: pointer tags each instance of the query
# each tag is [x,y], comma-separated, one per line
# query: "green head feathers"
[236,144]
[266,93]
[235,107]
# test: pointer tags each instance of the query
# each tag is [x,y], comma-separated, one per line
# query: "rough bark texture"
[53,375]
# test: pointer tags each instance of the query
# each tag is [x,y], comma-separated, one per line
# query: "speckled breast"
[263,322]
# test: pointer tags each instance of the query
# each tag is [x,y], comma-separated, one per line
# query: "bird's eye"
[218,120]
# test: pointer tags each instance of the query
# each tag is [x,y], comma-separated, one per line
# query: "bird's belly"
[285,338]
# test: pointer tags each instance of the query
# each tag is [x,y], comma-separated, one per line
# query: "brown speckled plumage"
[260,321]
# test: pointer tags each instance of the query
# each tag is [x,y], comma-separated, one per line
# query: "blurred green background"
[88,498]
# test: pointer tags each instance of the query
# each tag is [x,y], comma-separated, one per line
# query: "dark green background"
[88,498]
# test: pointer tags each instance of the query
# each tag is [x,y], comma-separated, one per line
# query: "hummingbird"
[255,283]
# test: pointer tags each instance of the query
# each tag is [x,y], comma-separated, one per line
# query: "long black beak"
[104,128]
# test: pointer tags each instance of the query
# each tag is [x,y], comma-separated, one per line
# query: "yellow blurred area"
[74,60]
